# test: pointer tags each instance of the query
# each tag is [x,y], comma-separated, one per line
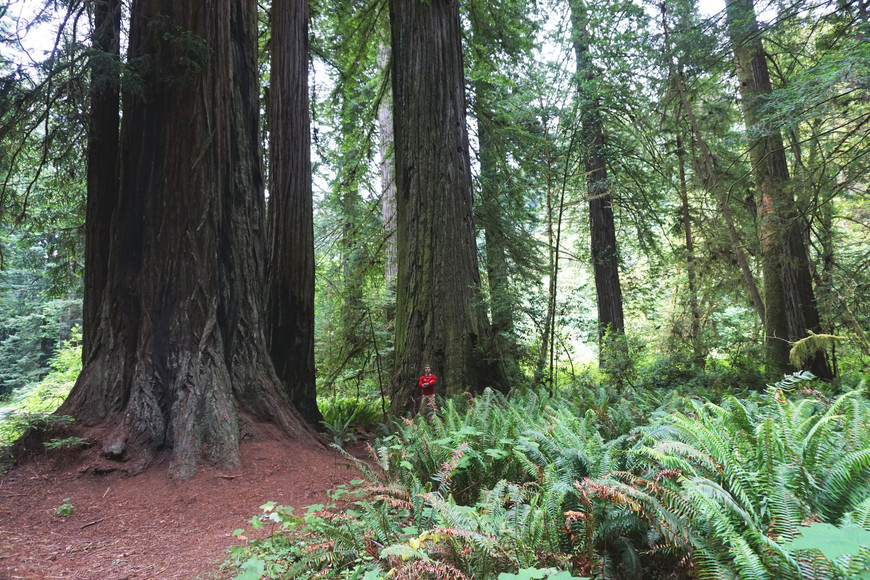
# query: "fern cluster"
[744,477]
[501,486]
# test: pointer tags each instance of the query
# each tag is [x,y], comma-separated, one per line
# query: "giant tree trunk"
[291,213]
[180,356]
[102,161]
[439,318]
[790,307]
[605,256]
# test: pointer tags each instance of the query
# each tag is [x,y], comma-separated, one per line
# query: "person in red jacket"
[427,387]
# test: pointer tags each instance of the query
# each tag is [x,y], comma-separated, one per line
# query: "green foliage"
[345,417]
[832,541]
[66,443]
[803,349]
[64,509]
[33,322]
[30,407]
[743,475]
[529,484]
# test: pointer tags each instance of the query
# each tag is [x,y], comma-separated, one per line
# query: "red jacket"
[427,383]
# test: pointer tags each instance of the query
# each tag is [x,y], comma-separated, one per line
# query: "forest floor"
[149,525]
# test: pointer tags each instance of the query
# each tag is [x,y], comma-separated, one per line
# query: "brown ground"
[150,526]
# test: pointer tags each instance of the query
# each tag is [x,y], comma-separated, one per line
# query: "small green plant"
[341,429]
[66,443]
[16,423]
[31,406]
[64,509]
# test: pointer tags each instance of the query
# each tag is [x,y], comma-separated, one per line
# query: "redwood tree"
[102,156]
[605,257]
[291,213]
[789,301]
[179,361]
[439,318]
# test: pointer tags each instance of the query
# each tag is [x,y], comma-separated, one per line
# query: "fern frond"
[424,570]
[786,510]
[747,561]
[860,516]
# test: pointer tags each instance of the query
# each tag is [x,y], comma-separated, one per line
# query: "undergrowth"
[31,407]
[652,484]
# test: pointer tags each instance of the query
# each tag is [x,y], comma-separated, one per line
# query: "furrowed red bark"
[291,215]
[102,155]
[180,357]
[439,317]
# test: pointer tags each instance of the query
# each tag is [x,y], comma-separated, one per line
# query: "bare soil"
[149,525]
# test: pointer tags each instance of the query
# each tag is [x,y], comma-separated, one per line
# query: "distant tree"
[180,361]
[291,215]
[388,176]
[605,254]
[440,320]
[500,43]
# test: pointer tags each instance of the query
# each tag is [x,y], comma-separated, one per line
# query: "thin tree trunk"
[440,320]
[695,312]
[349,164]
[180,357]
[102,155]
[291,213]
[551,289]
[714,183]
[790,307]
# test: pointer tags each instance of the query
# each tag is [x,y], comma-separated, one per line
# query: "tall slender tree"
[691,268]
[179,358]
[605,255]
[439,318]
[291,213]
[501,38]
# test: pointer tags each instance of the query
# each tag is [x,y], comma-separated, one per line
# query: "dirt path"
[150,526]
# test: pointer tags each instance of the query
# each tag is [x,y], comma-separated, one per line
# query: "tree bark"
[102,161]
[605,255]
[180,356]
[388,178]
[439,320]
[552,260]
[291,213]
[790,307]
